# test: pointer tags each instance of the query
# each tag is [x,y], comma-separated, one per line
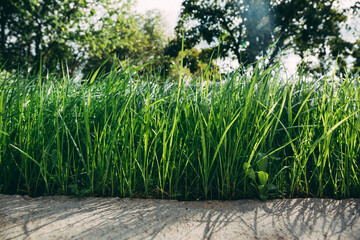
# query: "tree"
[82,34]
[355,10]
[193,63]
[34,30]
[124,36]
[249,29]
[356,55]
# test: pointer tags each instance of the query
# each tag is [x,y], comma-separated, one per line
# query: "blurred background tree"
[83,34]
[30,30]
[123,36]
[247,30]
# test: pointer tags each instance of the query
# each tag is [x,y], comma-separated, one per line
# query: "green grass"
[250,136]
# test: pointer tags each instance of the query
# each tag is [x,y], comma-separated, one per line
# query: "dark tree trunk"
[2,32]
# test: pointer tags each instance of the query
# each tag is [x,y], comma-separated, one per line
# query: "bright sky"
[169,8]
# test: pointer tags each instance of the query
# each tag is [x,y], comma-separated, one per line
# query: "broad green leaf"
[263,177]
[262,162]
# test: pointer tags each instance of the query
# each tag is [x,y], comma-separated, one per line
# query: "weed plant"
[250,135]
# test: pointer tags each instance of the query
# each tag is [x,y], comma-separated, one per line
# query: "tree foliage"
[34,29]
[82,34]
[249,29]
[124,36]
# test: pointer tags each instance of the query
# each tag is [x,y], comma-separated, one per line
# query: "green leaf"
[271,187]
[249,171]
[94,76]
[262,163]
[263,177]
[246,165]
[264,197]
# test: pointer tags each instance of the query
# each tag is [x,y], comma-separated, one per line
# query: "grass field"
[250,136]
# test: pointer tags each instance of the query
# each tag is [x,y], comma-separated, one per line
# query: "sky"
[169,8]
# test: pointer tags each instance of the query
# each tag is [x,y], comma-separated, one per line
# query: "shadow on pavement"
[115,218]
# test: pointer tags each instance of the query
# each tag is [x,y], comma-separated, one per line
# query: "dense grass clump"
[251,135]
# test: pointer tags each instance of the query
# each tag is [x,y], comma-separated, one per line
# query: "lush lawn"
[250,136]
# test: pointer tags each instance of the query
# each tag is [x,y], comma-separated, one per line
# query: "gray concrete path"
[115,218]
